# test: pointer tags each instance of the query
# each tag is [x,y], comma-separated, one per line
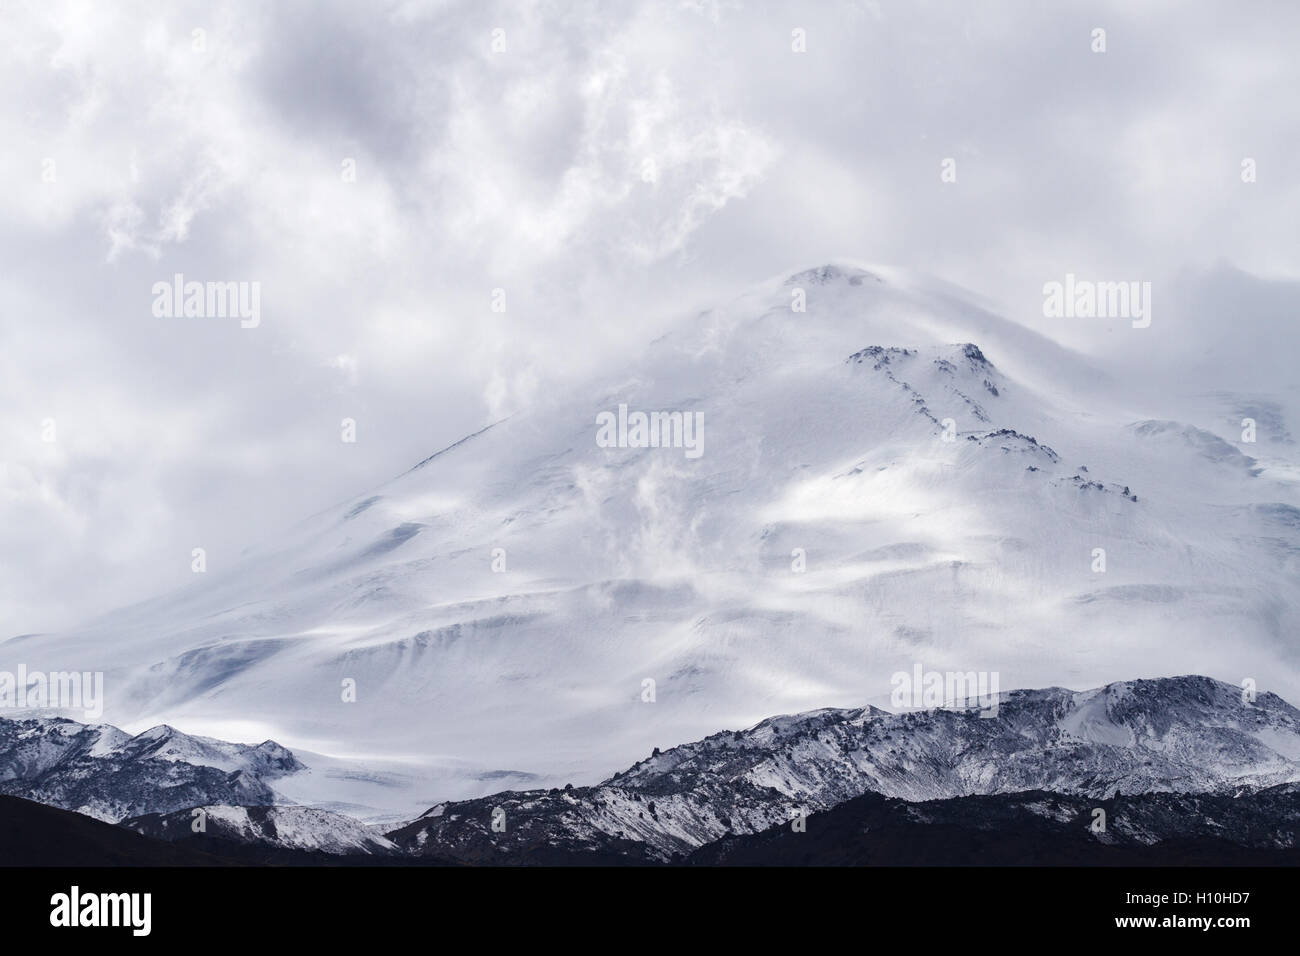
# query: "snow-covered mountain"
[502,605]
[1181,735]
[105,773]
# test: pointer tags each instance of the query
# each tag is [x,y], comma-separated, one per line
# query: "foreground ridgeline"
[1175,769]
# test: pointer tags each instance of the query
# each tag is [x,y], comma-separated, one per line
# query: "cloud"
[608,168]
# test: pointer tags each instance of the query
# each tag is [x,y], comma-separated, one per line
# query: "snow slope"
[824,431]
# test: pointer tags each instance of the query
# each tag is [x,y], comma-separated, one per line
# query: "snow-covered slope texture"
[103,772]
[1182,735]
[282,827]
[505,601]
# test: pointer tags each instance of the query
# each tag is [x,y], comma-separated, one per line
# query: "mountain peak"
[832,272]
[159,732]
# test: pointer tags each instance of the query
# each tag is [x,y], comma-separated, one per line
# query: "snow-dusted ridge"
[281,827]
[1179,735]
[1185,735]
[105,773]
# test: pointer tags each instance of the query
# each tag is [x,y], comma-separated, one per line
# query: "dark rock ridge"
[1034,828]
[35,835]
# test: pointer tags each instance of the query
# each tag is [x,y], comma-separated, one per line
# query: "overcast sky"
[613,166]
